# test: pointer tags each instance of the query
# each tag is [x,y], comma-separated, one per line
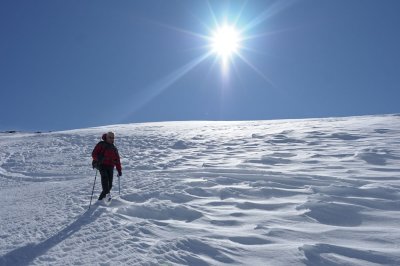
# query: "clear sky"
[74,64]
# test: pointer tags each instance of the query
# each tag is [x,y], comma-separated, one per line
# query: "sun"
[225,41]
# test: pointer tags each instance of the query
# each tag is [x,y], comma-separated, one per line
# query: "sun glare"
[225,41]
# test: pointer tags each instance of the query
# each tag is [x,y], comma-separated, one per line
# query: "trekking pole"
[93,189]
[119,184]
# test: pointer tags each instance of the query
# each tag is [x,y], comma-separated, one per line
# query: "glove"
[119,173]
[94,164]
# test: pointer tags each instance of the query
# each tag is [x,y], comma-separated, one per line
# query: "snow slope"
[288,192]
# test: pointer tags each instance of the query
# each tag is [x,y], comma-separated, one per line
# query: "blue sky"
[74,64]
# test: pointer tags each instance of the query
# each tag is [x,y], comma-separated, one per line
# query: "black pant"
[106,173]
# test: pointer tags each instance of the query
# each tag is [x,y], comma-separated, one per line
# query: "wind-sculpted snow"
[290,192]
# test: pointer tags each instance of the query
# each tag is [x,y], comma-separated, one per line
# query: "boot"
[102,195]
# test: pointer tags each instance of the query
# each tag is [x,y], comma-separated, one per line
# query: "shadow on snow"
[27,254]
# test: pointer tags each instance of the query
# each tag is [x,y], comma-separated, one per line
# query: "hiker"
[105,158]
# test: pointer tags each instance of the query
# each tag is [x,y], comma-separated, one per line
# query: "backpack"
[100,157]
[97,164]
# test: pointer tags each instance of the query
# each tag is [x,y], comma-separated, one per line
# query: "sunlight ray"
[152,91]
[216,24]
[267,34]
[238,76]
[244,48]
[256,70]
[213,65]
[186,31]
[240,13]
[274,9]
[202,23]
[195,34]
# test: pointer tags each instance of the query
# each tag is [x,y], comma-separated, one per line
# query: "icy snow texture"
[289,192]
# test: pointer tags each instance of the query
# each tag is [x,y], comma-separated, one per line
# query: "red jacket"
[107,154]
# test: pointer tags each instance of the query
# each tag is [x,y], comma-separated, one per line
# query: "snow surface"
[288,192]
